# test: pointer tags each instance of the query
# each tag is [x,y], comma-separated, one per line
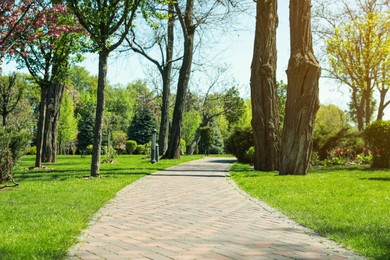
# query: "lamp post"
[153,155]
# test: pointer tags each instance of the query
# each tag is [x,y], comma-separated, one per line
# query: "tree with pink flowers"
[46,49]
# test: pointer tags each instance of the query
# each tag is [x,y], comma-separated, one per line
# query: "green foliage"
[191,122]
[211,141]
[131,145]
[67,128]
[377,135]
[120,104]
[281,90]
[32,150]
[239,142]
[250,154]
[348,204]
[89,149]
[13,145]
[141,149]
[142,127]
[86,126]
[119,140]
[182,146]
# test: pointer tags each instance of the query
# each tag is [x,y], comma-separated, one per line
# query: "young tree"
[265,116]
[108,23]
[356,40]
[302,93]
[67,129]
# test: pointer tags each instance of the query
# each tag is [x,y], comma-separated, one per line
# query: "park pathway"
[194,211]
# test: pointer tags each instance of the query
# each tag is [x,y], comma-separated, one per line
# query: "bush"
[182,146]
[250,155]
[131,145]
[377,135]
[140,149]
[13,145]
[89,149]
[239,142]
[32,150]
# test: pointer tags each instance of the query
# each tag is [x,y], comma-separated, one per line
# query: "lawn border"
[331,244]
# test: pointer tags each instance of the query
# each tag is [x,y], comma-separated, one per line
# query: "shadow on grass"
[376,179]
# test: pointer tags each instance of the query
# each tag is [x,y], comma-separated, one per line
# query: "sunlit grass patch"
[349,204]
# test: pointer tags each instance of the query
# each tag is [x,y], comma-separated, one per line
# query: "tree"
[46,52]
[67,129]
[265,117]
[356,40]
[108,23]
[15,20]
[302,93]
[10,94]
[142,126]
[164,39]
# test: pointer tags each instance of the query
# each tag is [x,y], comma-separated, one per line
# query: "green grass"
[349,204]
[43,216]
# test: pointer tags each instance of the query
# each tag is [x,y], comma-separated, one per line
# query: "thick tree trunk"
[265,119]
[358,106]
[41,126]
[302,93]
[188,28]
[166,75]
[98,130]
[53,106]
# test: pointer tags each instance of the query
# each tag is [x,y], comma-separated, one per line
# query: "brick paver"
[194,211]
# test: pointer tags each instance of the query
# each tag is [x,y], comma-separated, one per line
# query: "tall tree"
[163,38]
[108,23]
[188,27]
[302,93]
[265,116]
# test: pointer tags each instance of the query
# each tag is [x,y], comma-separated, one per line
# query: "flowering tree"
[13,23]
[46,50]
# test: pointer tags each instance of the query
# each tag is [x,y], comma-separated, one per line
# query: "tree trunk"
[359,109]
[166,76]
[265,119]
[382,104]
[53,106]
[98,130]
[302,93]
[195,142]
[41,125]
[188,28]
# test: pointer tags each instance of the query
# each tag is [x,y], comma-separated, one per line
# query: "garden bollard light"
[153,148]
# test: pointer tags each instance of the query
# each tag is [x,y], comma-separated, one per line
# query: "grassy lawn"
[43,216]
[349,204]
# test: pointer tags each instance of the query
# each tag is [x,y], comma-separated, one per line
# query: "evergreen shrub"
[377,135]
[239,142]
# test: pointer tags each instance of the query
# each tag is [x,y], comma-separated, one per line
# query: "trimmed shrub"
[90,148]
[239,142]
[131,145]
[377,135]
[250,155]
[140,149]
[32,150]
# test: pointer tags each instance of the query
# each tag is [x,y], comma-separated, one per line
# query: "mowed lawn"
[348,204]
[43,216]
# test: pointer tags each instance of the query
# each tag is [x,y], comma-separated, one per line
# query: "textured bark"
[265,119]
[98,130]
[41,125]
[53,105]
[166,75]
[302,93]
[188,29]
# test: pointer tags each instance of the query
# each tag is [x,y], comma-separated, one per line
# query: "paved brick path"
[193,211]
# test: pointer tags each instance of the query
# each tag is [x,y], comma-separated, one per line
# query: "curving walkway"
[194,211]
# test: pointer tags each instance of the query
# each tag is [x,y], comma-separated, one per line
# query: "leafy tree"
[121,105]
[11,92]
[359,57]
[142,126]
[86,125]
[67,129]
[265,114]
[108,23]
[302,93]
